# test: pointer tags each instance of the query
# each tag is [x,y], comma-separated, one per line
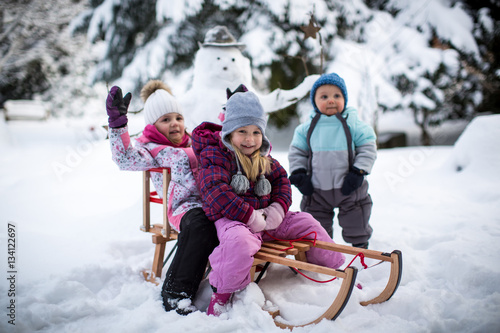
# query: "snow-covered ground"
[79,250]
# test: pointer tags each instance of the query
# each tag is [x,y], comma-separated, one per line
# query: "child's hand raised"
[116,107]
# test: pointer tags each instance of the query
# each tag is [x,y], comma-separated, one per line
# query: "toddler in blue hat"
[329,156]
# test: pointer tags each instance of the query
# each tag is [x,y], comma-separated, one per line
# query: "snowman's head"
[221,67]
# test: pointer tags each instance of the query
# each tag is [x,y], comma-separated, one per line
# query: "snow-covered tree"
[435,58]
[376,41]
[34,51]
[447,80]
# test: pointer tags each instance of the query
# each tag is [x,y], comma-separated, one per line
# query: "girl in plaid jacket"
[247,194]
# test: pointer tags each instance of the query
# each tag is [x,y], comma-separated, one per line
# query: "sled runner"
[277,252]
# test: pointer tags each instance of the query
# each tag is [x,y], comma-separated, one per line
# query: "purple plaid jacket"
[218,165]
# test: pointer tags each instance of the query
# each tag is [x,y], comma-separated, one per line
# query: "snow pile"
[476,159]
[476,151]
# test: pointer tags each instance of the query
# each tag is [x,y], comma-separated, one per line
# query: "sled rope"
[290,241]
[313,241]
[361,259]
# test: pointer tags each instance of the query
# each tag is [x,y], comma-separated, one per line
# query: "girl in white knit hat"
[166,143]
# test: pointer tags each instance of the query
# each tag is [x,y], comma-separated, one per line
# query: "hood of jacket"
[206,134]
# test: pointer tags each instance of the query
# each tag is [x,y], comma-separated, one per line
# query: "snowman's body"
[220,65]
[215,70]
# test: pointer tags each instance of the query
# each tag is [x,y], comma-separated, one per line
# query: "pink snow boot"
[217,302]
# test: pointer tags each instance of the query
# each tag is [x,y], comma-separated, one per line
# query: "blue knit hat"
[333,79]
[243,109]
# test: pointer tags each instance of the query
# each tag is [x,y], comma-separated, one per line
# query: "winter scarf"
[151,134]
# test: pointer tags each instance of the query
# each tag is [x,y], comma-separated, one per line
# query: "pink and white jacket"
[153,150]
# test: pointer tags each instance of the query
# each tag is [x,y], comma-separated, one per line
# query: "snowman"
[220,65]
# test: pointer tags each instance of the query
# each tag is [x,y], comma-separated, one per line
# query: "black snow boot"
[361,245]
[182,304]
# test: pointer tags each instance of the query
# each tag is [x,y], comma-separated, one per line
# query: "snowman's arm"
[279,99]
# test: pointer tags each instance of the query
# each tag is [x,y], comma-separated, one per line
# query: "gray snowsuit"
[326,158]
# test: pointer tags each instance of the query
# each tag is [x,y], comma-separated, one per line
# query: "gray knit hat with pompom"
[243,109]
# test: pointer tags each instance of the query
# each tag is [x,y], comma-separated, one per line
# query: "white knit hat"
[158,104]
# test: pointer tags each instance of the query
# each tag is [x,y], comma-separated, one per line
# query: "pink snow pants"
[232,259]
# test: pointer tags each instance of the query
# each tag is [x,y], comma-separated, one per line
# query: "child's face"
[172,126]
[247,139]
[329,99]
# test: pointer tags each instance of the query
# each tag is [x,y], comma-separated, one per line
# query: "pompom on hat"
[332,79]
[158,101]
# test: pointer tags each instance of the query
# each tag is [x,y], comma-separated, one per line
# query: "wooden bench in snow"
[24,109]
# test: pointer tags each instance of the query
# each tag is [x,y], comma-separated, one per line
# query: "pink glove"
[274,216]
[257,222]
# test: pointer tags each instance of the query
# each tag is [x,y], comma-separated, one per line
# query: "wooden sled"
[274,252]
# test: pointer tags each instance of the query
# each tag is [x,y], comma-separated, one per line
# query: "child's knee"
[304,220]
[297,224]
[241,238]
